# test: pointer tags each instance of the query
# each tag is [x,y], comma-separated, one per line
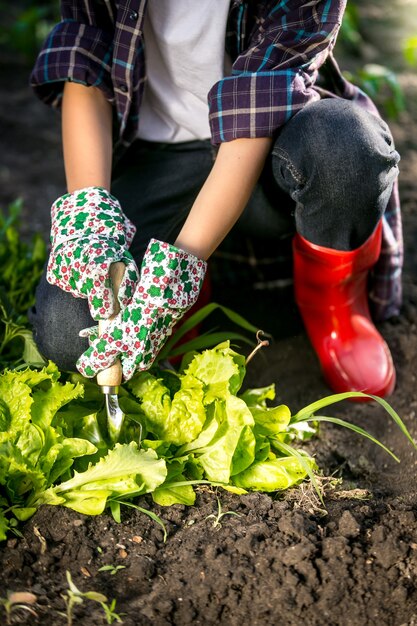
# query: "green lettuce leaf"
[33,453]
[17,400]
[270,421]
[262,448]
[47,402]
[220,370]
[206,435]
[217,458]
[124,471]
[23,513]
[124,462]
[178,419]
[258,397]
[4,526]
[170,491]
[16,475]
[273,475]
[30,442]
[90,502]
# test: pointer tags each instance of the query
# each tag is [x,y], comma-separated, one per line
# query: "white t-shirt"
[185,57]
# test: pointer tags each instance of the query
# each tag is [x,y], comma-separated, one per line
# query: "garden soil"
[278,559]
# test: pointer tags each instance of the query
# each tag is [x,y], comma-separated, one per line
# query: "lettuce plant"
[195,426]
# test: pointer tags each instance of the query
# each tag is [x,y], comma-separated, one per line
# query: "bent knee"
[57,319]
[338,132]
[336,142]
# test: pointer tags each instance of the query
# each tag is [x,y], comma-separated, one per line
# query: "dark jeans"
[329,177]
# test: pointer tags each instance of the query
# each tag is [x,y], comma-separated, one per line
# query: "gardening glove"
[170,282]
[90,232]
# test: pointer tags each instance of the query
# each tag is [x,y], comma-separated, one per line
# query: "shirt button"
[133,16]
[124,88]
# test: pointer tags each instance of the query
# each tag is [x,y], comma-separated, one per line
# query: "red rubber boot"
[331,293]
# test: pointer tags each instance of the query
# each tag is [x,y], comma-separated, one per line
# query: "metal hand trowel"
[110,379]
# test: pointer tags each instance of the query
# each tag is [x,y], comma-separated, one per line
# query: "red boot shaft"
[331,293]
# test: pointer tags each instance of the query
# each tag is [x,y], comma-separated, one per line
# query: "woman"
[139,73]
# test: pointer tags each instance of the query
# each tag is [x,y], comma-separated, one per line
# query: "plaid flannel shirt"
[282,61]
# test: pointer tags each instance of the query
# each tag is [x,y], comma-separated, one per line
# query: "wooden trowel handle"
[112,376]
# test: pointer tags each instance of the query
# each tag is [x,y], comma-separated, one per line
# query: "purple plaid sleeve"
[96,44]
[73,52]
[274,76]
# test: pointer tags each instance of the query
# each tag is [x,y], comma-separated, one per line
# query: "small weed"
[75,596]
[113,569]
[16,601]
[110,614]
[306,498]
[150,514]
[217,517]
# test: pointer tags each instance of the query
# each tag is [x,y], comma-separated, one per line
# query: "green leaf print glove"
[170,283]
[90,232]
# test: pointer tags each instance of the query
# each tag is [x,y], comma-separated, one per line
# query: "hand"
[170,283]
[90,232]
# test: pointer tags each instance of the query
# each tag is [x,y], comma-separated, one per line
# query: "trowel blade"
[115,416]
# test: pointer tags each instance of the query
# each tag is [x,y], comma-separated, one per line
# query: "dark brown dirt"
[281,560]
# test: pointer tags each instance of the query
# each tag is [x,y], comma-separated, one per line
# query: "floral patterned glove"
[170,282]
[90,232]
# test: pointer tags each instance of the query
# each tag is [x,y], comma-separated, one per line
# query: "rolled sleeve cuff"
[73,52]
[256,104]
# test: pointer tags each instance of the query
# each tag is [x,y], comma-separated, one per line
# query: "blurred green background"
[24,25]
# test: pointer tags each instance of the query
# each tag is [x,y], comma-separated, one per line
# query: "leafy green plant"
[22,265]
[198,429]
[26,24]
[410,50]
[349,30]
[378,81]
[34,452]
[382,85]
[217,517]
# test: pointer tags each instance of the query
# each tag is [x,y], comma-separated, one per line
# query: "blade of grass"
[397,419]
[201,315]
[290,451]
[309,410]
[205,341]
[319,404]
[150,514]
[356,429]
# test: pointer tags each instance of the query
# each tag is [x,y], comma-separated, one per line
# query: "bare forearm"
[86,136]
[224,195]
